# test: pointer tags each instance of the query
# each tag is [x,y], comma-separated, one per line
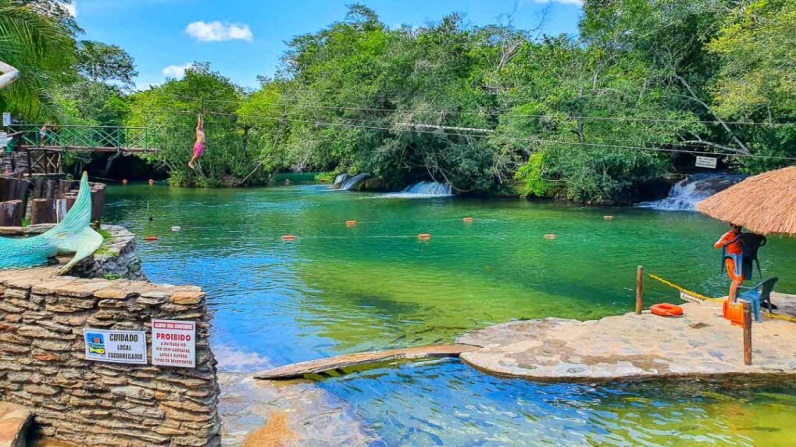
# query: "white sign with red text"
[174,343]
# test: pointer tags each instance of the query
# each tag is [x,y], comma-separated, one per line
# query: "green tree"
[36,39]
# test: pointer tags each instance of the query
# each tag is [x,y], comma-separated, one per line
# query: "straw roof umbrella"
[764,204]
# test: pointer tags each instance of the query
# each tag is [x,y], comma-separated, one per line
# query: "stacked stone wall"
[43,366]
[117,258]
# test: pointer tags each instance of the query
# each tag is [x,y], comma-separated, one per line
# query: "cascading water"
[421,190]
[354,181]
[686,193]
[429,189]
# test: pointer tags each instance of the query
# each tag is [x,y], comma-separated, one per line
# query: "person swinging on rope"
[199,146]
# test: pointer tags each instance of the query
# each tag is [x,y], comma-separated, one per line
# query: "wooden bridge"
[42,146]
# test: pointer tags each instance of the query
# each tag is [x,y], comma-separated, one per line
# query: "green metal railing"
[101,138]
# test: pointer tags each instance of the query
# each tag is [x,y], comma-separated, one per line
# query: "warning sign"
[174,343]
[115,346]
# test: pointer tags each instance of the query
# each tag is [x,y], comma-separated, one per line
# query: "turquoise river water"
[337,289]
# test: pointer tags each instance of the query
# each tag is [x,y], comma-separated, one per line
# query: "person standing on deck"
[730,241]
[199,146]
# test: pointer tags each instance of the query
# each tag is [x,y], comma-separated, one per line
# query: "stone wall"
[43,366]
[117,258]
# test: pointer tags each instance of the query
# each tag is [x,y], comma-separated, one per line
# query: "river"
[339,289]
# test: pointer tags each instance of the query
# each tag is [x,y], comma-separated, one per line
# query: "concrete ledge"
[701,343]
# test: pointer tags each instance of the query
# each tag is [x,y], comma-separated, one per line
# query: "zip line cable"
[504,113]
[526,139]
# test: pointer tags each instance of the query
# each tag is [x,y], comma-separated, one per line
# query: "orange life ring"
[288,238]
[151,238]
[468,220]
[666,310]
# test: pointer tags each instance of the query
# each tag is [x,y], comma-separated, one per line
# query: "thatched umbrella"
[764,204]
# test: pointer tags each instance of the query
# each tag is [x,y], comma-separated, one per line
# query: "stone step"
[14,422]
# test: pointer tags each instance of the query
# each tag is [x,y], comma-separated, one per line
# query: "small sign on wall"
[3,140]
[174,343]
[6,119]
[706,162]
[115,346]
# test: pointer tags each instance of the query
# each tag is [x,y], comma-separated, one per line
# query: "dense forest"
[642,89]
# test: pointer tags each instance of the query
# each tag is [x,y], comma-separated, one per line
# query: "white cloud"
[176,71]
[71,8]
[218,32]
[565,2]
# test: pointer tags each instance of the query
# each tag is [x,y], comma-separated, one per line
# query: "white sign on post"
[115,346]
[3,140]
[6,119]
[174,343]
[706,162]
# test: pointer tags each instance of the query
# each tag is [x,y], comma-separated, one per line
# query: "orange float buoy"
[424,237]
[350,223]
[124,182]
[468,220]
[608,217]
[549,236]
[150,238]
[666,310]
[288,237]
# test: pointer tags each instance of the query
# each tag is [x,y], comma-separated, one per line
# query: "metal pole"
[747,333]
[639,289]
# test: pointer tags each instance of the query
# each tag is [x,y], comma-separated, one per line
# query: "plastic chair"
[758,294]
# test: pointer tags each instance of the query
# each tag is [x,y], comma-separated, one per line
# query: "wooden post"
[42,211]
[70,200]
[60,210]
[11,213]
[747,333]
[639,289]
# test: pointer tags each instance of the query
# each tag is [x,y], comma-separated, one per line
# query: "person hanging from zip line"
[199,146]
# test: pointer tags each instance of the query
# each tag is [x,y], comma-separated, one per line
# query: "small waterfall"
[428,189]
[354,181]
[339,180]
[693,189]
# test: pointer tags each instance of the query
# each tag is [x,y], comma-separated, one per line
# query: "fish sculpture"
[73,235]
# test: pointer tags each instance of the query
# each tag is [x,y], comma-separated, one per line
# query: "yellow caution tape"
[684,293]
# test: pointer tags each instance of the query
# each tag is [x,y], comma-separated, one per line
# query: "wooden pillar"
[60,209]
[747,333]
[97,201]
[11,213]
[639,289]
[42,211]
[70,200]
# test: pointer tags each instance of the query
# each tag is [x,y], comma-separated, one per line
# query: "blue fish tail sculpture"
[73,235]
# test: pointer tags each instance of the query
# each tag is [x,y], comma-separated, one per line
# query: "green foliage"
[532,177]
[99,62]
[37,39]
[173,108]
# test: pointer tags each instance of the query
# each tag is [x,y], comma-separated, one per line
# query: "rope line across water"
[683,290]
[701,297]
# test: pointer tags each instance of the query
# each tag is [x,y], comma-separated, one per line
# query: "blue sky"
[245,38]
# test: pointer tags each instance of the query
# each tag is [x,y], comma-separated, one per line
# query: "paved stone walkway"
[14,420]
[701,343]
